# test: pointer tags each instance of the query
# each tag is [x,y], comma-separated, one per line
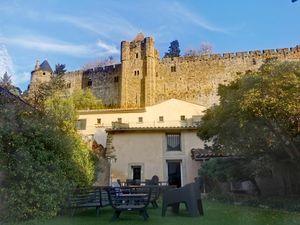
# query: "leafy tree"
[5,81]
[234,169]
[258,116]
[100,63]
[174,50]
[205,49]
[38,96]
[60,69]
[84,99]
[42,160]
[258,113]
[41,154]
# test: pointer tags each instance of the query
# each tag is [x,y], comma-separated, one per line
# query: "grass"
[216,213]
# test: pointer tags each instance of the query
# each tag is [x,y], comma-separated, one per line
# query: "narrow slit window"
[89,83]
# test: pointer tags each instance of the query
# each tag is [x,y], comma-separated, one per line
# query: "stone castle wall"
[197,78]
[103,81]
[142,79]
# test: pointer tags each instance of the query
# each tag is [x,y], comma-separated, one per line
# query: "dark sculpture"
[188,194]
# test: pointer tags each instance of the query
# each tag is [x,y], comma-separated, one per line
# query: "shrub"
[288,203]
[41,162]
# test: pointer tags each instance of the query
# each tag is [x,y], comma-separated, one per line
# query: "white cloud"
[196,19]
[6,64]
[111,49]
[82,23]
[46,45]
[105,24]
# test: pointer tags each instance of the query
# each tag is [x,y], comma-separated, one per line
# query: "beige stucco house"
[155,140]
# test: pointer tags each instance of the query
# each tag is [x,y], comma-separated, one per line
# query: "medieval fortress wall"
[142,79]
[197,78]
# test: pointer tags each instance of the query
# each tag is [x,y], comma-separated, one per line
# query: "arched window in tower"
[68,85]
[136,55]
[90,82]
[173,68]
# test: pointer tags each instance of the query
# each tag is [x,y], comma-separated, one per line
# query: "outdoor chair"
[188,194]
[155,192]
[132,199]
[129,182]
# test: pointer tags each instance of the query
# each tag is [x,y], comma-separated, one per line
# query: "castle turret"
[125,62]
[41,73]
[150,67]
[139,58]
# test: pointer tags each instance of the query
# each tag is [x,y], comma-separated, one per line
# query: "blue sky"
[77,32]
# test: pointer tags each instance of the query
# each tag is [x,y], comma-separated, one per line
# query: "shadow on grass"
[215,213]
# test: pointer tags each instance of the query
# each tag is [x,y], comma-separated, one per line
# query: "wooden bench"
[129,199]
[95,197]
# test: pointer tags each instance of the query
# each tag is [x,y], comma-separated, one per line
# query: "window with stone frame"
[81,124]
[173,142]
[161,119]
[140,119]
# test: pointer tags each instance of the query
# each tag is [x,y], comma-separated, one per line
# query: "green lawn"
[215,214]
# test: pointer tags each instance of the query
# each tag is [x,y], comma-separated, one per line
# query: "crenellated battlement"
[103,69]
[280,53]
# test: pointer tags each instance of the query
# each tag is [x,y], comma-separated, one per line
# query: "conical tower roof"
[45,66]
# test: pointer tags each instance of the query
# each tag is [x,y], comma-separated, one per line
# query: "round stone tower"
[41,73]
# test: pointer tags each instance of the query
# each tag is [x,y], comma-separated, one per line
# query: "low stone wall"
[102,172]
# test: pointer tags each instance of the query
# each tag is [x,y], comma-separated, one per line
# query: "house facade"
[155,140]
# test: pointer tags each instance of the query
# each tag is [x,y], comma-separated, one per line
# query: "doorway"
[174,173]
[136,172]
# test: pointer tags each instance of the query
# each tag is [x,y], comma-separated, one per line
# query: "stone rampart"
[193,78]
